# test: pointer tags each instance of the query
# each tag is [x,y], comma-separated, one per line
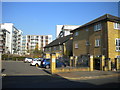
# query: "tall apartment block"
[29,42]
[10,39]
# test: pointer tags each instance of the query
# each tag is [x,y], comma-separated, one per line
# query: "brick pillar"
[75,61]
[53,63]
[71,58]
[117,63]
[109,64]
[102,62]
[91,63]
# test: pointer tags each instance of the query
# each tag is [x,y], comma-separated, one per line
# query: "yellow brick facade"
[112,35]
[107,36]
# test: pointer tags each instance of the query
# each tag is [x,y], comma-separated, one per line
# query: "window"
[60,47]
[97,27]
[97,42]
[76,33]
[116,26]
[118,57]
[117,44]
[49,48]
[76,45]
[46,37]
[86,29]
[87,43]
[54,48]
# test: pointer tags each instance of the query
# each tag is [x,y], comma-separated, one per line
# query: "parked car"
[36,62]
[28,60]
[46,63]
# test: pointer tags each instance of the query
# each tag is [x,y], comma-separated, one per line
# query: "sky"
[41,18]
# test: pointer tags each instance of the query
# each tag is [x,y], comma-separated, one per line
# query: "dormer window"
[97,27]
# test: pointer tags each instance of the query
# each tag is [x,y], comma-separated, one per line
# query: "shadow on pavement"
[48,81]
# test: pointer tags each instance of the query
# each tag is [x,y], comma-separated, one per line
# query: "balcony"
[1,44]
[1,49]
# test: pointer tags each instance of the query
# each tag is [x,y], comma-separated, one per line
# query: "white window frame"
[117,26]
[117,43]
[97,27]
[76,45]
[97,42]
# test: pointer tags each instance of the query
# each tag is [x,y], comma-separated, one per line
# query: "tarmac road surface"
[21,75]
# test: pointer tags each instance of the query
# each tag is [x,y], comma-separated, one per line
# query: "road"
[21,75]
[20,68]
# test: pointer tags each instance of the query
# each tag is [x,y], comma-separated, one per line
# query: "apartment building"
[10,39]
[4,41]
[29,42]
[98,37]
[64,30]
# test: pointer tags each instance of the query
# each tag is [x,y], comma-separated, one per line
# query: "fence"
[82,61]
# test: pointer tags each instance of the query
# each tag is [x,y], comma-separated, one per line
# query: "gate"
[83,61]
[96,63]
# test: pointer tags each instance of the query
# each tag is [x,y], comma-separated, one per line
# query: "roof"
[107,17]
[59,41]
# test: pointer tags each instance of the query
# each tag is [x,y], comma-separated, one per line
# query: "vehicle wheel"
[47,67]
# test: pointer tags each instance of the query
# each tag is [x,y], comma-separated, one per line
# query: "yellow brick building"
[98,37]
[60,47]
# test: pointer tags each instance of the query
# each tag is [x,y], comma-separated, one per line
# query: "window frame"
[76,46]
[117,26]
[117,44]
[76,33]
[97,27]
[97,43]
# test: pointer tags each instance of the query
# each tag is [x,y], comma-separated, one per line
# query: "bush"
[12,57]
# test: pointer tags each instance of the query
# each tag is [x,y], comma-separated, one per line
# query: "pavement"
[84,75]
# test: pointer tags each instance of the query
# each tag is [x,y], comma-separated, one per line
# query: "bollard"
[102,62]
[91,63]
[53,63]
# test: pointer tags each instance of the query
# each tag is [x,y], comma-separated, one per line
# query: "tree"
[37,52]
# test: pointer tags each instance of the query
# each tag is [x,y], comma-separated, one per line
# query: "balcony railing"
[1,49]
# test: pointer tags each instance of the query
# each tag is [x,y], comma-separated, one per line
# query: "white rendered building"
[10,39]
[29,42]
[64,30]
